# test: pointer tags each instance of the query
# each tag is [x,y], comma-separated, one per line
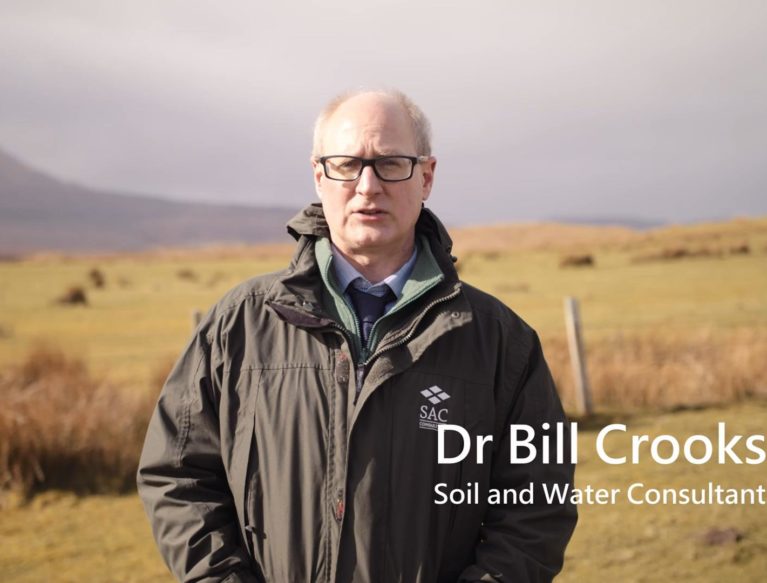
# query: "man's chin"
[372,242]
[371,235]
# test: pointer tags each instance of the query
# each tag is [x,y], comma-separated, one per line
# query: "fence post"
[577,357]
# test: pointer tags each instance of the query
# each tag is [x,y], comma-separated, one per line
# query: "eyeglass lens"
[389,168]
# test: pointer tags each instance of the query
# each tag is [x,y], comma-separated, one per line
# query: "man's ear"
[318,173]
[427,176]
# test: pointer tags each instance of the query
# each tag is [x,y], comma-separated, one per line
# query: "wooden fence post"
[578,357]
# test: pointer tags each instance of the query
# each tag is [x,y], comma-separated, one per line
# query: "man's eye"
[346,164]
[390,163]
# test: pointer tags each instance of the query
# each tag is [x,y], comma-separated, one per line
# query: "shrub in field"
[186,274]
[676,253]
[96,277]
[577,261]
[661,371]
[61,428]
[74,296]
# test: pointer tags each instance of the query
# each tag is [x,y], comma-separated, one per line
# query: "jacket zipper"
[361,368]
[339,506]
[359,379]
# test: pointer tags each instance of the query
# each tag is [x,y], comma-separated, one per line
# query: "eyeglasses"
[386,168]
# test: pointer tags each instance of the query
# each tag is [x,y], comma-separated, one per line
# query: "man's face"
[367,216]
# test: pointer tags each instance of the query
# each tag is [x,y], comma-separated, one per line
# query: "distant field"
[622,292]
[132,326]
[141,318]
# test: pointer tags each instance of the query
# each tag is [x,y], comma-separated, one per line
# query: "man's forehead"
[370,118]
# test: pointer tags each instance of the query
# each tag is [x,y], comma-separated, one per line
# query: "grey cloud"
[652,109]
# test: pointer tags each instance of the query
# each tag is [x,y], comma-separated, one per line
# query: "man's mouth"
[370,212]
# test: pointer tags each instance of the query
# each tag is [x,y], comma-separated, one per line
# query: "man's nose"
[368,183]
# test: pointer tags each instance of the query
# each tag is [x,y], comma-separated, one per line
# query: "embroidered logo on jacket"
[432,415]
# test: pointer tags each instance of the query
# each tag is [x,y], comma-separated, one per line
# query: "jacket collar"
[310,223]
[297,295]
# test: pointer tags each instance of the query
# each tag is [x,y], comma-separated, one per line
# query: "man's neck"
[376,267]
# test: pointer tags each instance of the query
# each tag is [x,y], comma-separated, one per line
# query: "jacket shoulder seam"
[221,311]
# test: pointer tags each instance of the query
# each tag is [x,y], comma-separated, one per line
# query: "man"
[297,437]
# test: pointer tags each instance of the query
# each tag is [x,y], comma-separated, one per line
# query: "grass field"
[60,537]
[661,334]
[141,318]
[648,543]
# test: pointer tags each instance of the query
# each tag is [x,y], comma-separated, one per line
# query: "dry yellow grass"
[630,543]
[61,428]
[59,537]
[659,335]
[662,370]
[557,236]
[264,251]
[541,237]
[62,538]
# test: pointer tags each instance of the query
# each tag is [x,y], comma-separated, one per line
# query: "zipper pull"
[360,379]
[339,509]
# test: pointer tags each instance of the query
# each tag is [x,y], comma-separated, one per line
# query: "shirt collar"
[346,273]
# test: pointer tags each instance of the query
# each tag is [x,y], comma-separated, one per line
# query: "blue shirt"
[346,274]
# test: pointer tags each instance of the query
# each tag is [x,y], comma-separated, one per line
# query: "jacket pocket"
[286,511]
[426,399]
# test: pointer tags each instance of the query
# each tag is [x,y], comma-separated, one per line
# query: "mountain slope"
[40,212]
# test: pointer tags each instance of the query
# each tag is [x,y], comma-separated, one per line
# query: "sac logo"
[431,416]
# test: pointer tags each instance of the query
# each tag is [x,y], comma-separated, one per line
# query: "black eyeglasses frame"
[372,163]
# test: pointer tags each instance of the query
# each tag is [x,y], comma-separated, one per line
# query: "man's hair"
[419,123]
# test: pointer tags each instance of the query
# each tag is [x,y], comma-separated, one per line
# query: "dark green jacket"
[259,465]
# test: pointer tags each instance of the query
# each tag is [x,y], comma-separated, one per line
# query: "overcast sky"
[652,109]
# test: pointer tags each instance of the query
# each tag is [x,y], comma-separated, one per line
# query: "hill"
[39,212]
